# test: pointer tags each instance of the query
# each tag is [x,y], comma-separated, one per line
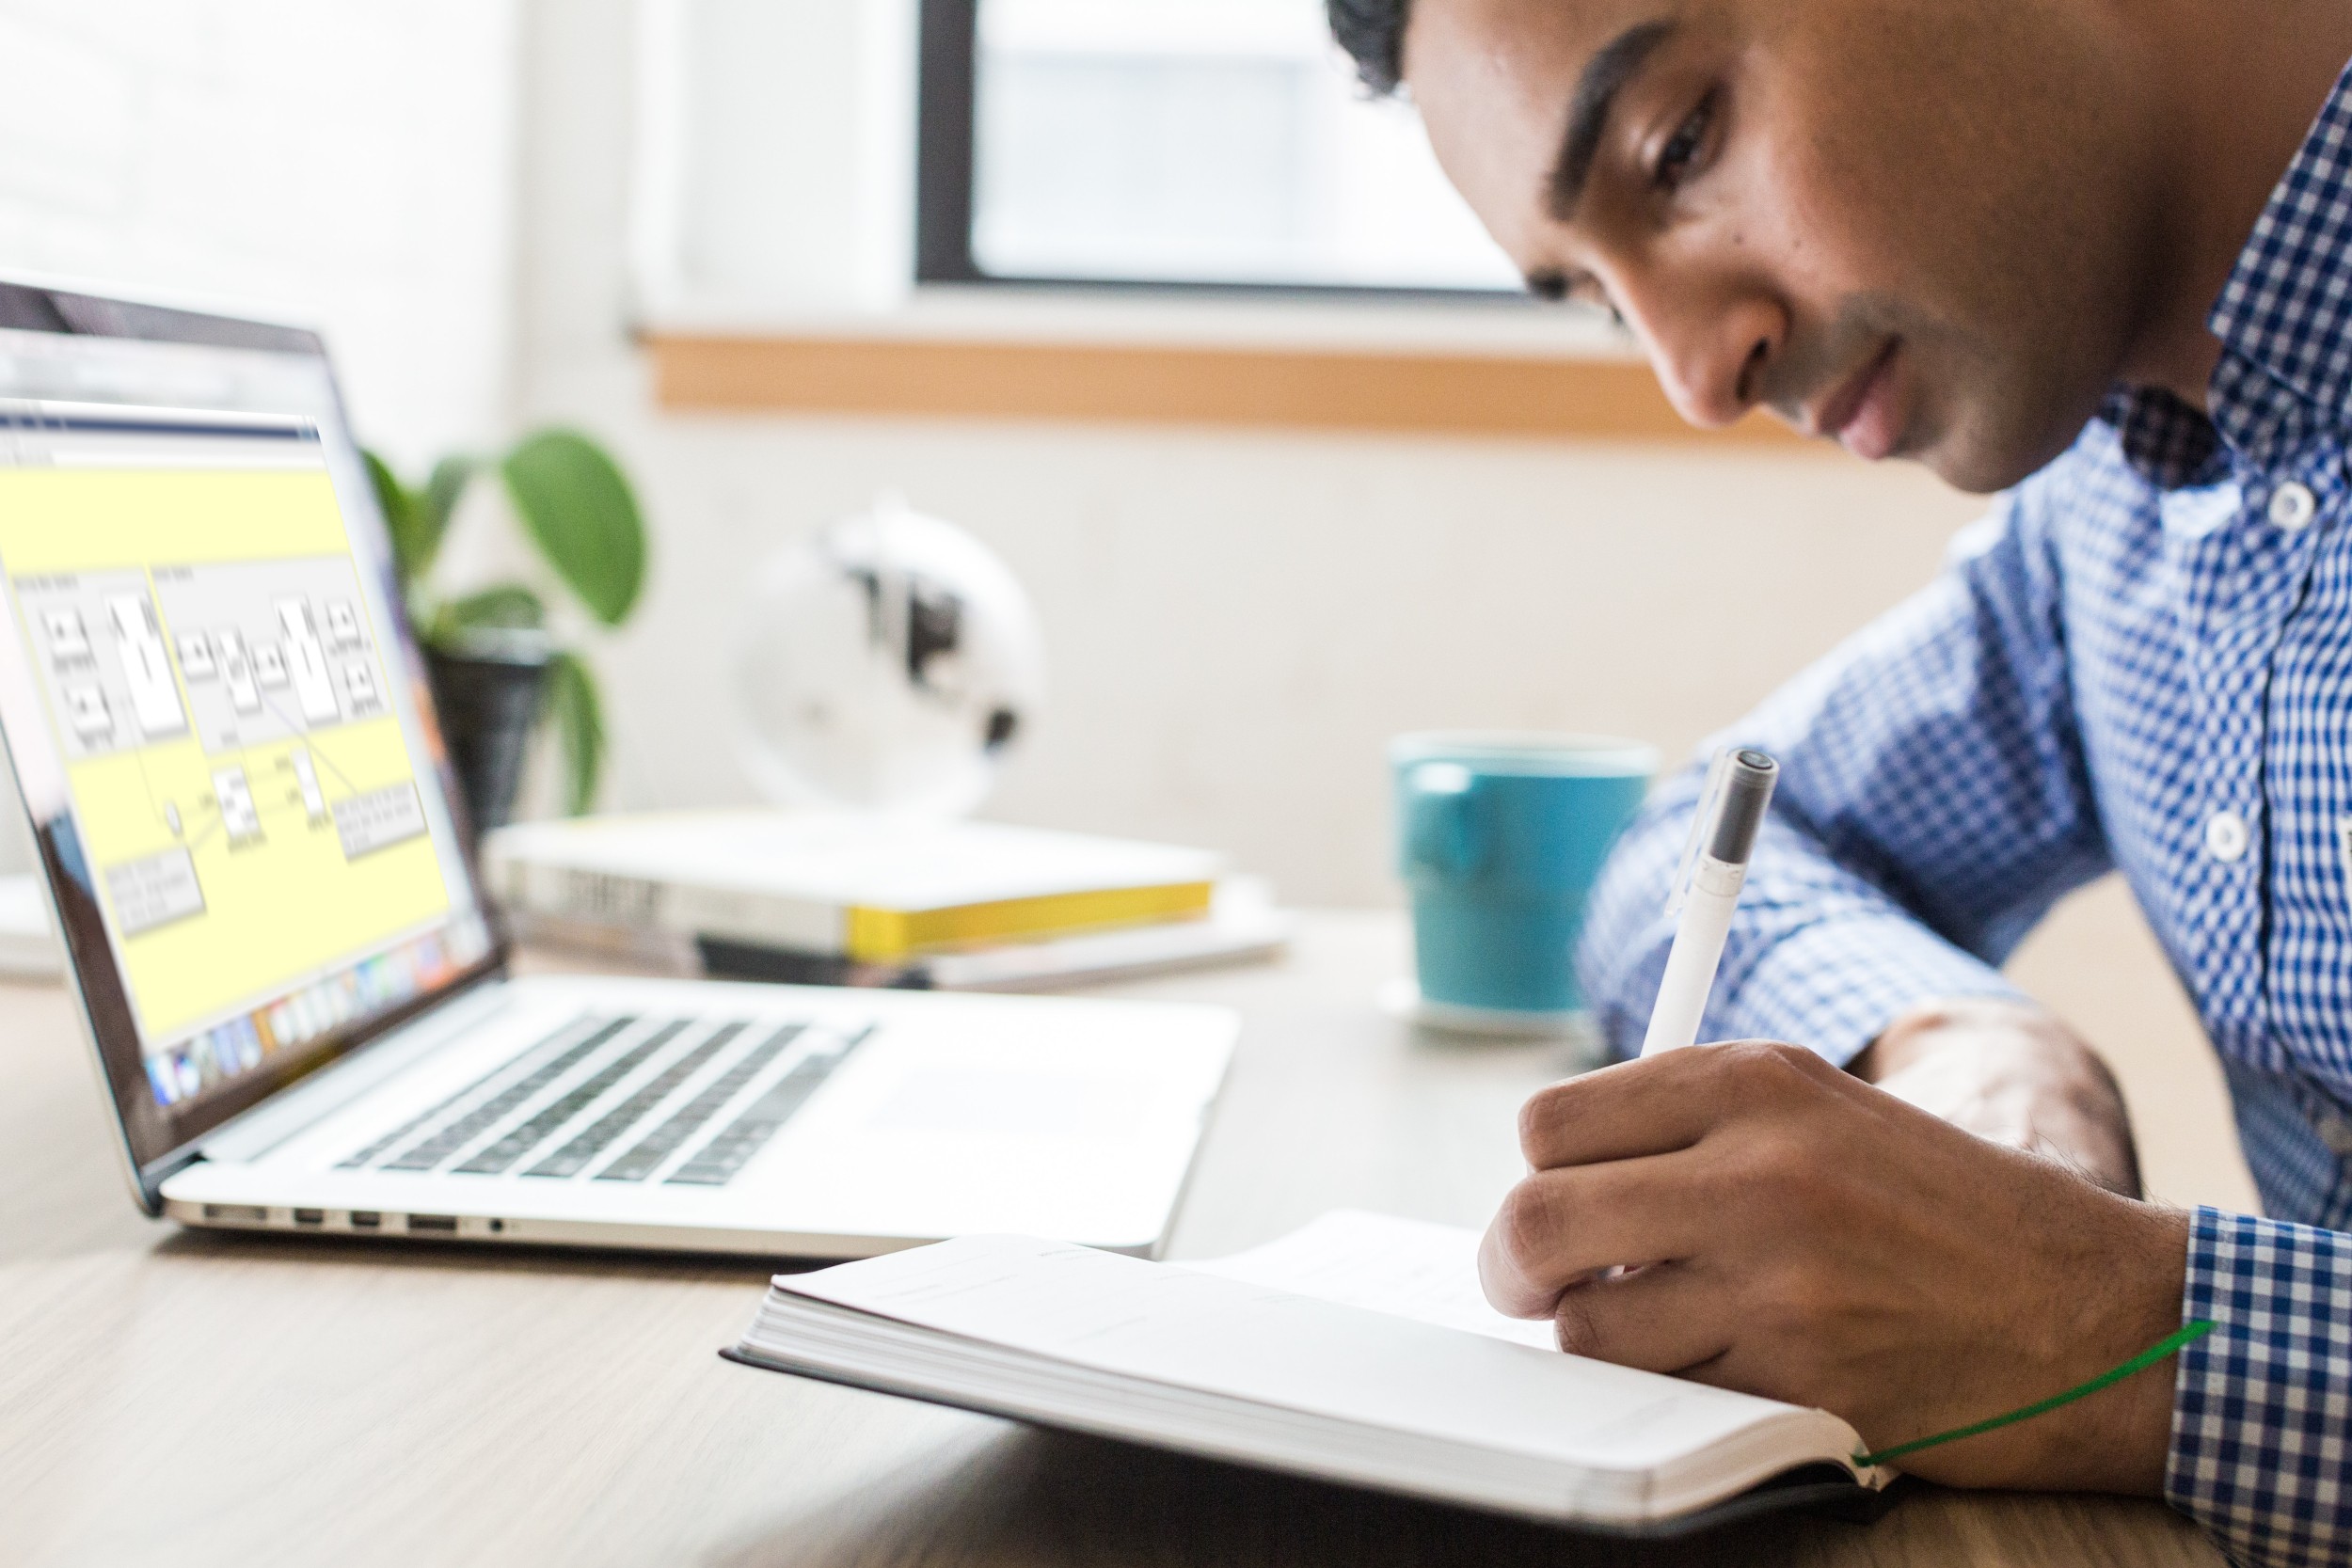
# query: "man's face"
[1924,228]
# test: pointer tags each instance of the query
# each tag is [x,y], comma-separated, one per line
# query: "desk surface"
[201,1399]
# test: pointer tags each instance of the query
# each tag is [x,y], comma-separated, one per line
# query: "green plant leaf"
[507,605]
[579,715]
[580,510]
[437,502]
[401,519]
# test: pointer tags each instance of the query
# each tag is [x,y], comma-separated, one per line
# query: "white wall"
[1236,621]
[351,163]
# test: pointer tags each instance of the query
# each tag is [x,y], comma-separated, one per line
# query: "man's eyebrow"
[1588,110]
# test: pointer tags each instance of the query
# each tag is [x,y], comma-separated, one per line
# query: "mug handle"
[1440,830]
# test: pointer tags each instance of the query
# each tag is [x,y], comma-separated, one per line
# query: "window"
[1175,142]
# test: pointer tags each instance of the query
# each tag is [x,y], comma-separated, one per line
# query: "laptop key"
[646,1155]
[577,1155]
[717,1161]
[448,1139]
[528,1135]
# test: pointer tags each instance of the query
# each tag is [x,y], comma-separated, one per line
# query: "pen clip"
[1710,799]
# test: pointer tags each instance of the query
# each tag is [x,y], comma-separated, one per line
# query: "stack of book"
[823,897]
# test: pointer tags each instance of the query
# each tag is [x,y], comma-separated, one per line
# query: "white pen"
[1707,886]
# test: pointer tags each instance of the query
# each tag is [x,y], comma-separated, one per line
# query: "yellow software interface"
[220,694]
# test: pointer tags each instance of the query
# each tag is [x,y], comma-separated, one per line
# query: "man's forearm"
[2011,1072]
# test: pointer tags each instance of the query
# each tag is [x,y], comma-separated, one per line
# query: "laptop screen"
[217,718]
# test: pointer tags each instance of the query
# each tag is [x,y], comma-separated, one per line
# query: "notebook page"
[1173,1325]
[1411,1268]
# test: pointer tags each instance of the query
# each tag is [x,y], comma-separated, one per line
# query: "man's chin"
[1979,457]
[1973,472]
[1980,468]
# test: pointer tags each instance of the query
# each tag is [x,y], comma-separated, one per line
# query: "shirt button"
[2291,505]
[2225,835]
[2334,1132]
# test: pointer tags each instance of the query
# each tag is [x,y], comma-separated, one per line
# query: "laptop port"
[309,1216]
[365,1219]
[445,1224]
[237,1213]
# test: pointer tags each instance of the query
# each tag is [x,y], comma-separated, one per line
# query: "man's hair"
[1372,33]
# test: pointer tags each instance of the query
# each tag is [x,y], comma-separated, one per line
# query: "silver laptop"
[219,722]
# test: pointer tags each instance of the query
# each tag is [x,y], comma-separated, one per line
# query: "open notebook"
[1357,1349]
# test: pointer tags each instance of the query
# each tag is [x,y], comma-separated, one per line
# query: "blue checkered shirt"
[2141,660]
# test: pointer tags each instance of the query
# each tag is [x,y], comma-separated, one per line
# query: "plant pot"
[490,688]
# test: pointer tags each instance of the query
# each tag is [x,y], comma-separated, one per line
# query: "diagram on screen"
[105,662]
[228,706]
[268,650]
[271,650]
[275,675]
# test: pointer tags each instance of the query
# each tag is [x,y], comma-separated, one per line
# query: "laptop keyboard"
[456,1134]
[715,1164]
[649,1154]
[578,1154]
[652,1089]
[485,1115]
[526,1135]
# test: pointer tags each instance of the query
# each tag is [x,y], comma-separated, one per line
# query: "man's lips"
[1862,415]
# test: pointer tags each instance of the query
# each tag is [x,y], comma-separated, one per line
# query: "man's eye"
[1682,149]
[1580,288]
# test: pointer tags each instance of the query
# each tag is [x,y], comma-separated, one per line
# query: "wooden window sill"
[1407,389]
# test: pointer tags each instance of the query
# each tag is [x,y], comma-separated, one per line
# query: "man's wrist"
[2010,1071]
[2109,1289]
[2119,1440]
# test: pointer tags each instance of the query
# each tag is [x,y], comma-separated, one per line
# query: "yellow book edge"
[879,936]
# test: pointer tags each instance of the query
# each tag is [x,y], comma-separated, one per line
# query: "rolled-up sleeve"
[1934,804]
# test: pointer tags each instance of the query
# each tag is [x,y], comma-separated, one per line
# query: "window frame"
[947,100]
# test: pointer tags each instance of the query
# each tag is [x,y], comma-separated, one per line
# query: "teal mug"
[1500,837]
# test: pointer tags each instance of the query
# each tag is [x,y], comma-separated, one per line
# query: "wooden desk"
[193,1400]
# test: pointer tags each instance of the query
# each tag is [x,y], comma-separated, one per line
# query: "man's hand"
[2013,1073]
[1795,1232]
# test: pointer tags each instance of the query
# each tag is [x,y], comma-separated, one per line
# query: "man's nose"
[1711,356]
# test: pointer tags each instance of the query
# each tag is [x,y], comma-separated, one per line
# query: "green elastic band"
[2187,1333]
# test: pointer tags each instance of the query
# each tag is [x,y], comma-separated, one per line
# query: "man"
[2098,253]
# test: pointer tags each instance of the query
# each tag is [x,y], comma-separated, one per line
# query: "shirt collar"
[2284,319]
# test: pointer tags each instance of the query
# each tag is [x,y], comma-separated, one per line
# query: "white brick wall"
[351,162]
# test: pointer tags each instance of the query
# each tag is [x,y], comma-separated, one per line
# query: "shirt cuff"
[1834,985]
[2262,1407]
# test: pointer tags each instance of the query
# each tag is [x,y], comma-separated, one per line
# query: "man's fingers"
[1664,1317]
[1558,1226]
[1662,1103]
